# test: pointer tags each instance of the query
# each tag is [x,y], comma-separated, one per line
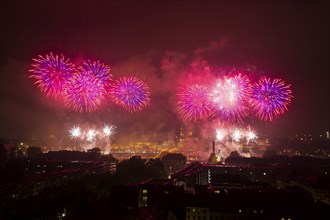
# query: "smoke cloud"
[37,115]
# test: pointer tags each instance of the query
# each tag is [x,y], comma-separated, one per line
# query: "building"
[174,162]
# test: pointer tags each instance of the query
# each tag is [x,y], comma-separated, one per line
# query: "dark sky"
[289,40]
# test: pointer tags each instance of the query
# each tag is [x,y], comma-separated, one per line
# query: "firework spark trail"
[270,98]
[86,90]
[51,73]
[235,134]
[131,93]
[193,102]
[250,136]
[109,130]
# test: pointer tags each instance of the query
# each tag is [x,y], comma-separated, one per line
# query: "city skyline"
[157,41]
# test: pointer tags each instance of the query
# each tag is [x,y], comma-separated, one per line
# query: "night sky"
[151,39]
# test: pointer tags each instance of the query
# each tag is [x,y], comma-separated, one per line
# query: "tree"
[234,154]
[3,155]
[269,153]
[132,170]
[174,162]
[34,152]
[155,168]
[94,153]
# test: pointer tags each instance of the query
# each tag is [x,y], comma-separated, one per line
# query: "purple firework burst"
[131,93]
[51,73]
[86,90]
[270,98]
[193,102]
[98,70]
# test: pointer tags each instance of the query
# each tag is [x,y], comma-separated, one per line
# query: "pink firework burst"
[229,97]
[193,102]
[51,73]
[86,90]
[270,98]
[131,93]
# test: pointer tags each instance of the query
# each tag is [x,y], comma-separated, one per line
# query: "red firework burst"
[270,98]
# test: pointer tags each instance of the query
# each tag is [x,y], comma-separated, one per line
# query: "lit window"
[144,191]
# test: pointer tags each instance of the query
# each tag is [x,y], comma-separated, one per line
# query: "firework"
[220,134]
[86,90]
[193,102]
[83,93]
[237,135]
[270,98]
[109,130]
[51,73]
[91,135]
[131,93]
[250,136]
[229,97]
[231,139]
[75,132]
[99,70]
